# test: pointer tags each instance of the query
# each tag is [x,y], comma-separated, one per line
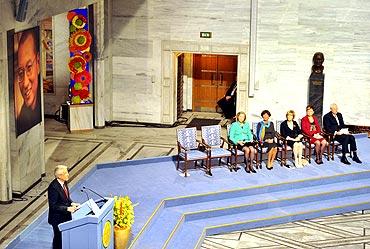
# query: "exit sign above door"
[205,34]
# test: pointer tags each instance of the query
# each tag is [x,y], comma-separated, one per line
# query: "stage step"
[192,233]
[177,216]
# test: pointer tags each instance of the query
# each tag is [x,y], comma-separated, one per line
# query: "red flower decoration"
[79,21]
[77,64]
[84,77]
[87,56]
[70,15]
[84,94]
[80,40]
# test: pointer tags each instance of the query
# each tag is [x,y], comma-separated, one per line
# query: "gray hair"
[333,105]
[59,170]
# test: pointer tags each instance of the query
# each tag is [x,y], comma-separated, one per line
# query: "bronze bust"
[318,59]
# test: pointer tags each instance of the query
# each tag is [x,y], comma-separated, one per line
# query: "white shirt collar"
[60,182]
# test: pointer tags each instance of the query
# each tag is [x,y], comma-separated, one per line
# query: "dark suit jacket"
[58,204]
[231,88]
[285,131]
[330,123]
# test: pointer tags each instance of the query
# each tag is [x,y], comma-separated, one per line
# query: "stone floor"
[80,151]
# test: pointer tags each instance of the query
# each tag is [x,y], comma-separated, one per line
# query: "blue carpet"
[187,209]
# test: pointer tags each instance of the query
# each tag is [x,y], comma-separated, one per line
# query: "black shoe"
[253,171]
[209,173]
[269,168]
[247,170]
[356,159]
[236,168]
[344,160]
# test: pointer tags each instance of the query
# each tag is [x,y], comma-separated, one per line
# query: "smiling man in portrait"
[27,81]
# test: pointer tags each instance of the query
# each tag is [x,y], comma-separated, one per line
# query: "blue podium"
[91,226]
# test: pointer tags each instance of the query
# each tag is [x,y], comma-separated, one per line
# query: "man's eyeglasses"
[22,71]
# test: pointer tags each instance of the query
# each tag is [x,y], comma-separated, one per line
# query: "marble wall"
[288,34]
[22,157]
[139,31]
[5,177]
[61,57]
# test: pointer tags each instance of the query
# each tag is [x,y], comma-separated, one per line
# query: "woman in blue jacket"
[241,136]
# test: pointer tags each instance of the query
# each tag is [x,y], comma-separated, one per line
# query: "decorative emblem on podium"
[107,231]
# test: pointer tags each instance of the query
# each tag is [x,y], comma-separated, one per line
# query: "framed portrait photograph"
[26,85]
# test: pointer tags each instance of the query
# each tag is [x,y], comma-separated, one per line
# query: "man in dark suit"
[334,124]
[228,102]
[61,206]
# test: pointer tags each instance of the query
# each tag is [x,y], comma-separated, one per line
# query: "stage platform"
[178,212]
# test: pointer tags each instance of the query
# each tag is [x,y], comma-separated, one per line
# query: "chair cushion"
[264,149]
[220,152]
[239,152]
[194,155]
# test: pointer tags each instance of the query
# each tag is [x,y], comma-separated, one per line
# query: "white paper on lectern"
[94,207]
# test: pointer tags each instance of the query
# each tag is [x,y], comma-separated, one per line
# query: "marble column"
[5,166]
[99,65]
[108,63]
[253,47]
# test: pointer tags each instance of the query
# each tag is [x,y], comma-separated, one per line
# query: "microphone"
[104,199]
[88,199]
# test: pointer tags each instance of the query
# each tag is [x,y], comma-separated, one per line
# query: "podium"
[91,226]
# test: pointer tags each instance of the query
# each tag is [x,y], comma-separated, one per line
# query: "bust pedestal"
[80,117]
[316,93]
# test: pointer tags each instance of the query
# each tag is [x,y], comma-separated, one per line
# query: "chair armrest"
[203,143]
[330,136]
[224,140]
[180,147]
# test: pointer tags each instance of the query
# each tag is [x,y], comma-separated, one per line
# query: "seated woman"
[311,127]
[290,130]
[267,136]
[241,135]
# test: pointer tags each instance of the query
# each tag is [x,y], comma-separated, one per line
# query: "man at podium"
[61,206]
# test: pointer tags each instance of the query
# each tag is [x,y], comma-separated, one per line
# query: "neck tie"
[65,190]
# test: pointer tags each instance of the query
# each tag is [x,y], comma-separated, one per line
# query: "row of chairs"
[211,146]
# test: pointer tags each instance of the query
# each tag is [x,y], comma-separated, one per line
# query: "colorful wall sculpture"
[80,56]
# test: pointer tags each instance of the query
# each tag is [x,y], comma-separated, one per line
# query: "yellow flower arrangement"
[123,212]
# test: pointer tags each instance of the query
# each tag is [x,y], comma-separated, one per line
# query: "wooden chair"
[310,146]
[284,145]
[237,153]
[214,142]
[263,150]
[189,148]
[334,145]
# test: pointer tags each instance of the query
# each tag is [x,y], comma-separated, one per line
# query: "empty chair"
[214,142]
[189,148]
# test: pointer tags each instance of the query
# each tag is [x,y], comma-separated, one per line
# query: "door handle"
[213,79]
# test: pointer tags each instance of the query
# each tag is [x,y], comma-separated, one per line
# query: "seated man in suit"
[61,206]
[228,102]
[334,124]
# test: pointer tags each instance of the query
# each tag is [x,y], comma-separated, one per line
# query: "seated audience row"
[241,135]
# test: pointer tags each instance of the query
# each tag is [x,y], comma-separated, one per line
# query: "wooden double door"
[212,76]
